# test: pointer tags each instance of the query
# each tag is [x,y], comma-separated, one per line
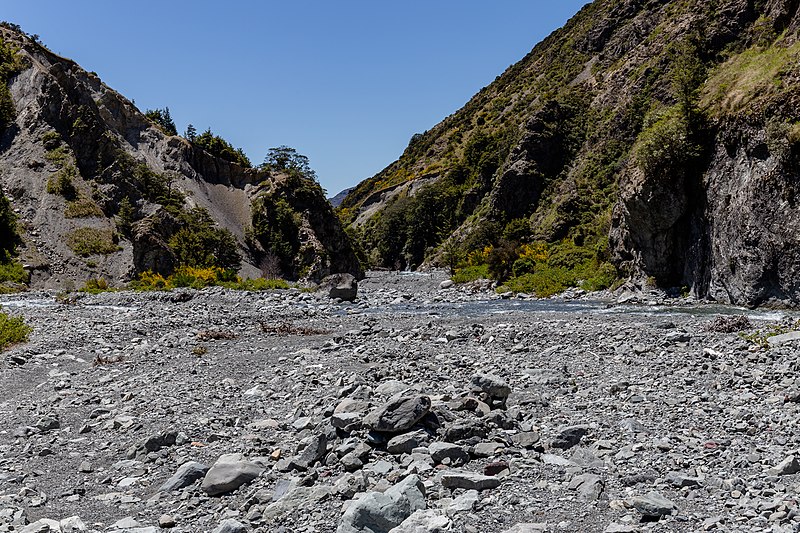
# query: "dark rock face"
[341,286]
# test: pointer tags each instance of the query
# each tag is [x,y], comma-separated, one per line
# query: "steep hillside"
[101,191]
[655,140]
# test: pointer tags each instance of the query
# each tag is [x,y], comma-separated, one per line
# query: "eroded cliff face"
[70,126]
[661,136]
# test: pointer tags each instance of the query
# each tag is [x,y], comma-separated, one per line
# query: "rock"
[427,521]
[525,439]
[496,468]
[680,480]
[230,472]
[186,475]
[528,528]
[653,505]
[619,528]
[785,338]
[469,481]
[569,437]
[464,503]
[152,444]
[788,466]
[589,486]
[406,442]
[231,526]
[314,451]
[43,526]
[73,524]
[166,521]
[466,429]
[444,450]
[341,286]
[346,421]
[378,512]
[398,414]
[494,388]
[446,284]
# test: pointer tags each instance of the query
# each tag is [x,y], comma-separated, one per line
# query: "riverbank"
[606,405]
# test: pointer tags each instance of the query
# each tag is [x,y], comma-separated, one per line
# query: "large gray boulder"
[230,472]
[378,512]
[398,414]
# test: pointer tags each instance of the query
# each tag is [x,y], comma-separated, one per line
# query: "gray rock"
[231,526]
[653,505]
[464,503]
[341,286]
[73,524]
[589,486]
[230,472]
[493,386]
[569,437]
[152,444]
[526,439]
[469,481]
[785,338]
[446,284]
[378,512]
[788,466]
[346,421]
[406,442]
[166,521]
[398,414]
[186,474]
[427,521]
[444,450]
[680,480]
[528,528]
[314,451]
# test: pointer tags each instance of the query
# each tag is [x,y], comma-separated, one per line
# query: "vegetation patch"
[756,73]
[83,208]
[61,183]
[198,278]
[93,241]
[201,244]
[13,330]
[219,147]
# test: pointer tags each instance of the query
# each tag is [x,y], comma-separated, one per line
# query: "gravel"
[125,413]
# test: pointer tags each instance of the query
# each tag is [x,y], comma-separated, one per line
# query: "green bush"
[276,230]
[61,183]
[51,140]
[544,283]
[92,241]
[59,156]
[96,286]
[665,144]
[201,244]
[9,238]
[13,272]
[13,330]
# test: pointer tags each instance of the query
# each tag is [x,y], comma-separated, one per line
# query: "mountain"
[337,200]
[101,190]
[650,140]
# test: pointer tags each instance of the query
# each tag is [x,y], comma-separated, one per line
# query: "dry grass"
[285,329]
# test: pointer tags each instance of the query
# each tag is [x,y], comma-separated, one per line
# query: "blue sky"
[346,82]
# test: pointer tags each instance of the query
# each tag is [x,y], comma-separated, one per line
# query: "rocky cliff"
[101,191]
[660,137]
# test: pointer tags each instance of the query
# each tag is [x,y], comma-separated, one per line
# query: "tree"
[8,230]
[126,217]
[191,133]
[221,148]
[287,159]
[162,119]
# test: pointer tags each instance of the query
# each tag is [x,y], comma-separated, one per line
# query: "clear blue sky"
[346,82]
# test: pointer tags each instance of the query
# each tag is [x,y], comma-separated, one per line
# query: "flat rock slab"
[786,338]
[653,504]
[230,472]
[469,481]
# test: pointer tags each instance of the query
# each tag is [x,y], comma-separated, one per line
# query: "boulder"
[398,414]
[378,512]
[230,472]
[186,474]
[341,286]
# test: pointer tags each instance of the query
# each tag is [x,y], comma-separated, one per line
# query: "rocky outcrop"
[70,125]
[553,151]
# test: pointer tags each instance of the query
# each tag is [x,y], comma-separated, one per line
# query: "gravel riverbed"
[413,409]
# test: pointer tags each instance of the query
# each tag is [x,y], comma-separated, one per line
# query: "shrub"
[276,230]
[471,273]
[198,278]
[13,330]
[9,238]
[13,272]
[82,208]
[96,286]
[59,156]
[92,241]
[665,145]
[61,183]
[51,140]
[200,244]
